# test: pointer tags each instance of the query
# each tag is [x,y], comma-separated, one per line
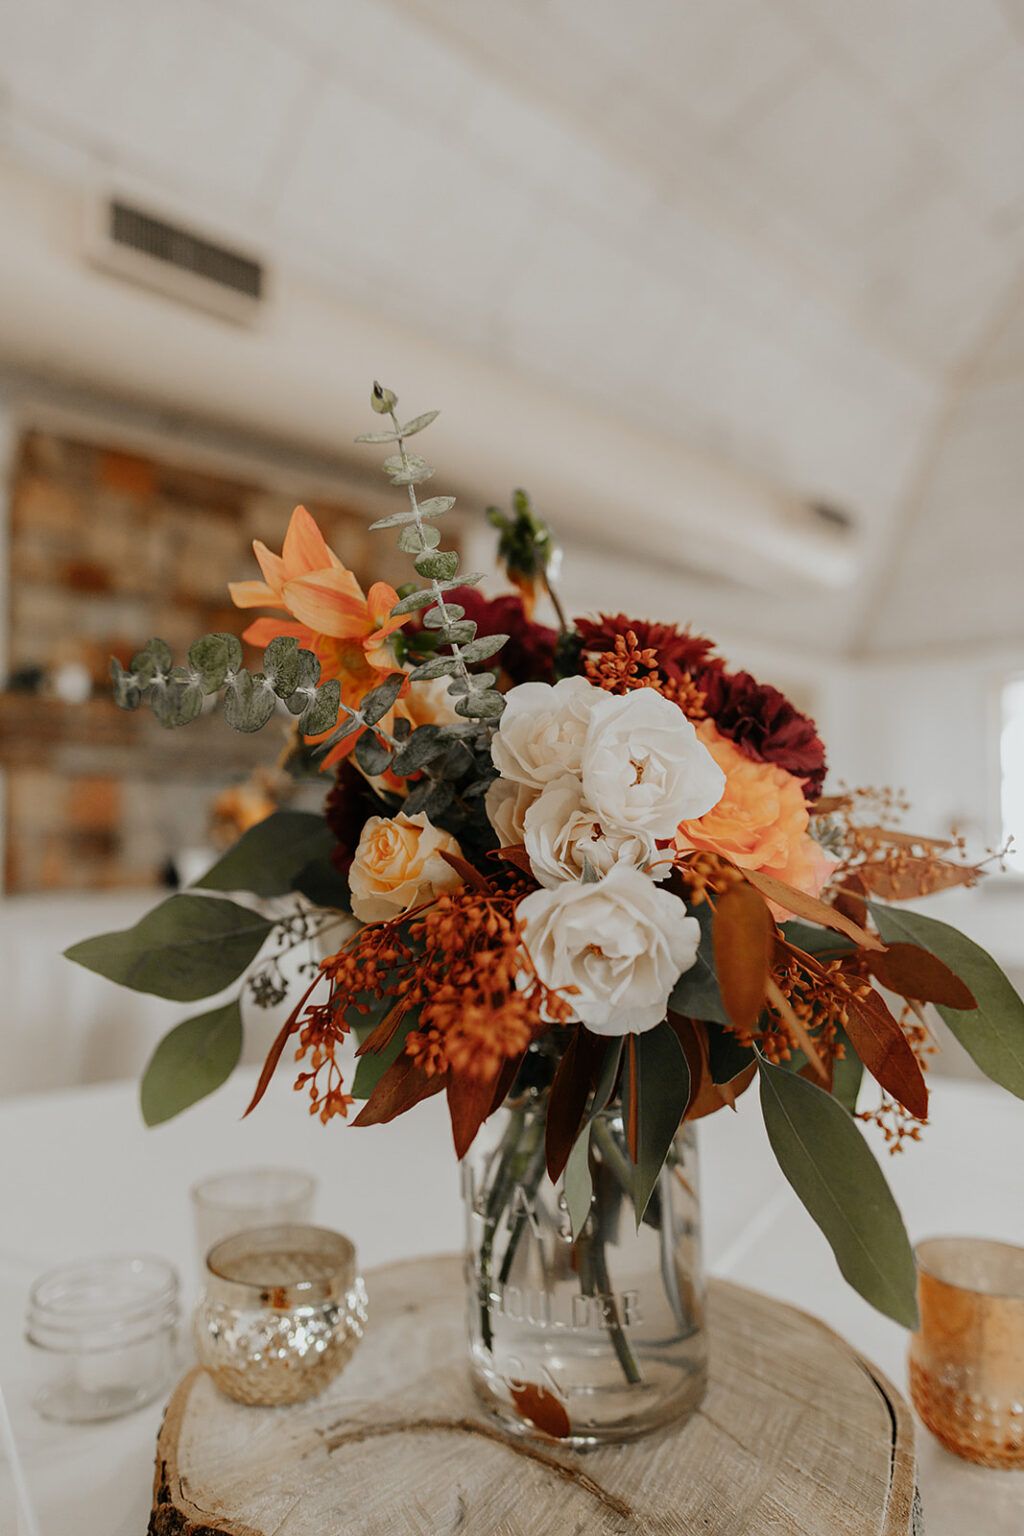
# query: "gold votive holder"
[967,1360]
[283,1309]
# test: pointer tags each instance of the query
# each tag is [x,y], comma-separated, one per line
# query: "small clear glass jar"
[250,1197]
[104,1336]
[594,1341]
[282,1312]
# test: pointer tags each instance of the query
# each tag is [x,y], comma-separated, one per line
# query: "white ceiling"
[776,230]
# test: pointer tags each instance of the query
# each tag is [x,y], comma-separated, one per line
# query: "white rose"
[542,730]
[398,864]
[621,942]
[562,835]
[506,805]
[643,766]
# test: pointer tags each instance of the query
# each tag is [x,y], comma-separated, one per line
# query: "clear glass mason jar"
[594,1341]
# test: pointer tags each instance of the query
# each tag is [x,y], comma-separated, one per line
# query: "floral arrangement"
[589,862]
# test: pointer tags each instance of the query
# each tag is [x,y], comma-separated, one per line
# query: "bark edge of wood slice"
[798,1436]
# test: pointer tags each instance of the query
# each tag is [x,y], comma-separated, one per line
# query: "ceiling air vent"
[149,249]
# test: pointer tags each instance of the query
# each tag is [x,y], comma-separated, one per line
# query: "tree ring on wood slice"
[797,1434]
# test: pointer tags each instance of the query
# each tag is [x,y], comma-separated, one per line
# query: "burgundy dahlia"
[765,725]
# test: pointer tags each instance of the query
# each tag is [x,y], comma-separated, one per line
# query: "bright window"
[1011,765]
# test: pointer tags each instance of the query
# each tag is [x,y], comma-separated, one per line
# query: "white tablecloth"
[81,1175]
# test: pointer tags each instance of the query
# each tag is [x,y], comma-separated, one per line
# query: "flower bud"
[382,400]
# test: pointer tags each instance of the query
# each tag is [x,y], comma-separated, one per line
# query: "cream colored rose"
[506,805]
[542,730]
[643,765]
[620,941]
[398,865]
[563,837]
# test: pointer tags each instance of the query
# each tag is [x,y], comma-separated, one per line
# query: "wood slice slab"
[798,1436]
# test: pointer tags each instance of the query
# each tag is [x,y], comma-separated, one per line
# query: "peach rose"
[761,820]
[398,865]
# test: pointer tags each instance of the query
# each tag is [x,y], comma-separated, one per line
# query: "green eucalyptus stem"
[530,1180]
[498,1190]
[595,1280]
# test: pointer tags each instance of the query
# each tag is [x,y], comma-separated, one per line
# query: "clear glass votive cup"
[103,1336]
[234,1202]
[283,1309]
[966,1362]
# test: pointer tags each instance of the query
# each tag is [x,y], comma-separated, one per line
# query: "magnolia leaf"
[190,1062]
[567,1100]
[127,693]
[847,1074]
[659,1093]
[425,743]
[809,907]
[213,657]
[437,564]
[322,883]
[267,858]
[419,422]
[322,710]
[487,645]
[415,540]
[382,698]
[187,948]
[817,941]
[441,666]
[177,702]
[249,701]
[401,1086]
[439,619]
[372,755]
[153,660]
[825,1158]
[993,1032]
[372,1065]
[744,944]
[412,602]
[911,971]
[281,665]
[727,1058]
[914,876]
[577,1181]
[696,994]
[543,1410]
[469,1104]
[884,1049]
[481,706]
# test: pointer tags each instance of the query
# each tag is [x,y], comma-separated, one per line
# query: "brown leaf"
[515,854]
[917,973]
[400,1087]
[850,902]
[276,1051]
[568,1098]
[381,1036]
[543,1410]
[469,1104]
[885,1051]
[706,1096]
[812,1077]
[731,1091]
[780,1002]
[815,911]
[503,1082]
[469,874]
[744,941]
[829,804]
[898,839]
[915,877]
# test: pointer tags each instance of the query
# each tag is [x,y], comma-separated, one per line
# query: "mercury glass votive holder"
[283,1309]
[967,1359]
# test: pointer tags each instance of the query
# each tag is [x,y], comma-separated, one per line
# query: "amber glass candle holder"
[967,1361]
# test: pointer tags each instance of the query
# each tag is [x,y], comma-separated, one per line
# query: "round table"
[81,1175]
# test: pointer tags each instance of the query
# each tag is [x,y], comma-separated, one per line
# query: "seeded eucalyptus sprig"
[476,696]
[176,693]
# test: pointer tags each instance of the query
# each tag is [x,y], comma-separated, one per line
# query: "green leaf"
[415,540]
[434,506]
[176,702]
[577,1180]
[696,994]
[458,633]
[816,941]
[378,437]
[441,666]
[371,754]
[830,1166]
[425,743]
[267,857]
[249,701]
[437,564]
[419,422]
[410,469]
[380,699]
[662,1093]
[487,645]
[187,948]
[322,884]
[213,657]
[993,1033]
[126,690]
[194,1059]
[153,660]
[371,1067]
[481,706]
[435,619]
[281,665]
[414,600]
[727,1058]
[322,711]
[847,1075]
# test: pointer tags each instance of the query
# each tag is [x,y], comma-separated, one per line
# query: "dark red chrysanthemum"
[528,656]
[765,725]
[680,653]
